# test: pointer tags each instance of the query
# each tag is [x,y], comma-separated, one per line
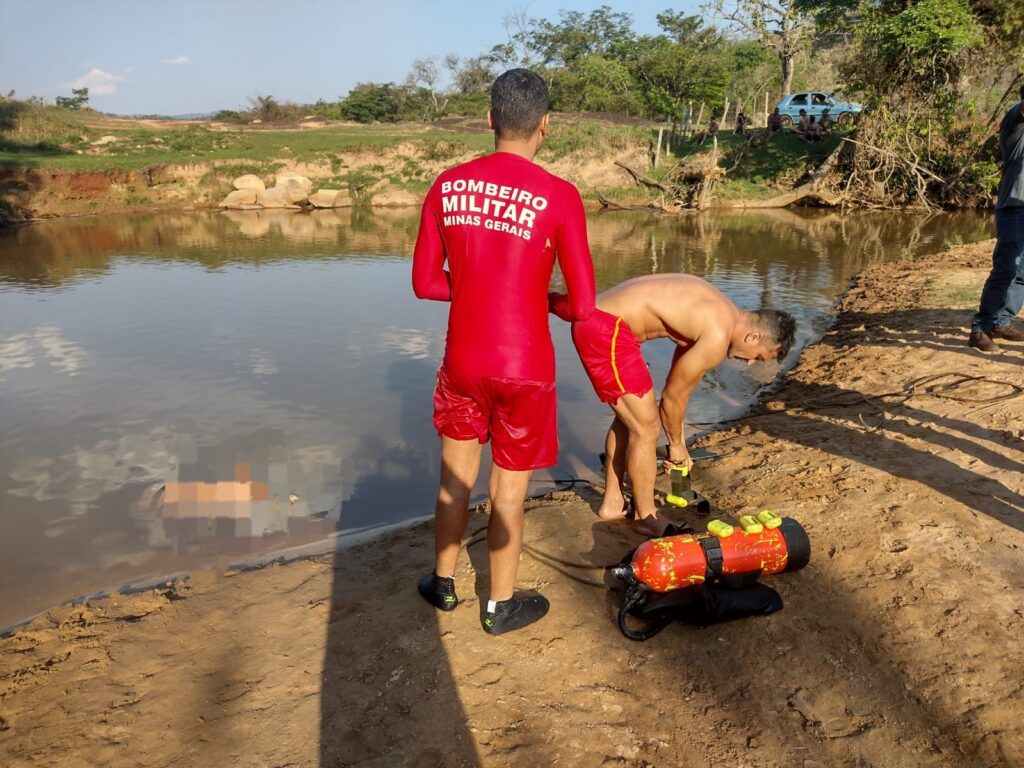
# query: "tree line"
[593,62]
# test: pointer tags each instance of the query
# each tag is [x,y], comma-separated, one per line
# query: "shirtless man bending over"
[706,327]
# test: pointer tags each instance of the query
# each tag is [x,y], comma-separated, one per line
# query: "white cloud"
[43,343]
[262,363]
[178,60]
[409,342]
[98,82]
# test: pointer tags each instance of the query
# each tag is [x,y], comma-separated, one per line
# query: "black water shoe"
[515,613]
[439,591]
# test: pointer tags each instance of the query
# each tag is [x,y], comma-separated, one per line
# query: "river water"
[188,390]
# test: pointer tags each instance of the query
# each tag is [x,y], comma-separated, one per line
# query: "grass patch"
[33,129]
[757,172]
[952,242]
[444,149]
[59,138]
[957,289]
[566,138]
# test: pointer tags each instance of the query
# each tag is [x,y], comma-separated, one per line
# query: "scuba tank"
[713,575]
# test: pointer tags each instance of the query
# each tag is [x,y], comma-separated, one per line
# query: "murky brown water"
[178,391]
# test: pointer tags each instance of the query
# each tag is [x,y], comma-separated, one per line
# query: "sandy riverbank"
[900,644]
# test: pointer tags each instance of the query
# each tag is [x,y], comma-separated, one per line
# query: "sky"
[197,56]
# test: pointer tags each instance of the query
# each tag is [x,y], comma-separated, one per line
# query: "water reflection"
[177,390]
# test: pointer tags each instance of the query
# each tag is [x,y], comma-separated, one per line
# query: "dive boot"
[515,613]
[439,591]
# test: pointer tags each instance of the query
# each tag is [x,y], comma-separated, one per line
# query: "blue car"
[816,102]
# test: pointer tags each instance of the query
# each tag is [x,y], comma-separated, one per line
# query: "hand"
[558,305]
[678,456]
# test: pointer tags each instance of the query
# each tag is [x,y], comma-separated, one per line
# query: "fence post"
[657,152]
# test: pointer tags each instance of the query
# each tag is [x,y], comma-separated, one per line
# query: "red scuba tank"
[676,562]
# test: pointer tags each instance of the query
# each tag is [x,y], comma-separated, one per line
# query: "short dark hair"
[519,101]
[779,327]
[1022,92]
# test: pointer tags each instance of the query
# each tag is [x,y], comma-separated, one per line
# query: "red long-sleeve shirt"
[499,221]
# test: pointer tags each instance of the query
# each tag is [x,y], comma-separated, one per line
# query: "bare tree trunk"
[787,72]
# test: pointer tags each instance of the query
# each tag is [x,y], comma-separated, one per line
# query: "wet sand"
[898,448]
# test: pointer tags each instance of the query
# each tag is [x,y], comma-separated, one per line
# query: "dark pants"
[1003,294]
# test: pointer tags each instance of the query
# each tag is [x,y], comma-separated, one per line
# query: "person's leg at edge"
[640,417]
[460,465]
[994,295]
[505,528]
[613,506]
[1014,230]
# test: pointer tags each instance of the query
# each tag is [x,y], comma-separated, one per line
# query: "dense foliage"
[926,68]
[592,62]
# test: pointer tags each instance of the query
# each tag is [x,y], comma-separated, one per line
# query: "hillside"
[56,162]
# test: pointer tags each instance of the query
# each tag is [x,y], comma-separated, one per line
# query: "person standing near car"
[498,221]
[1003,294]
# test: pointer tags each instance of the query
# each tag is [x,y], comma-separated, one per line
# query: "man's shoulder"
[564,188]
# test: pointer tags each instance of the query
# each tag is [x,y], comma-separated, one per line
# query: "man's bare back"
[683,308]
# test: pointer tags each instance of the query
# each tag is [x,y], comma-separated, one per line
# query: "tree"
[597,83]
[912,60]
[265,107]
[369,102]
[517,49]
[424,74]
[474,75]
[690,62]
[79,98]
[778,25]
[603,32]
[669,73]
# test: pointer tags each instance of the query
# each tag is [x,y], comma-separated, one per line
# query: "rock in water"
[239,198]
[249,181]
[282,178]
[275,197]
[395,197]
[294,191]
[330,198]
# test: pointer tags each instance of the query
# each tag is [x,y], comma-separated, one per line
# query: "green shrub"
[443,149]
[371,102]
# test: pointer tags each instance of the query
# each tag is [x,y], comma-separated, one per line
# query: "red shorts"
[611,356]
[519,416]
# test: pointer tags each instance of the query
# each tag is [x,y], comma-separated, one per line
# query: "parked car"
[816,102]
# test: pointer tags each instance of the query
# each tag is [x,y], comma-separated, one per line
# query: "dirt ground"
[900,644]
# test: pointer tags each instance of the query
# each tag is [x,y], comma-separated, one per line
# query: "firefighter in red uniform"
[499,222]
